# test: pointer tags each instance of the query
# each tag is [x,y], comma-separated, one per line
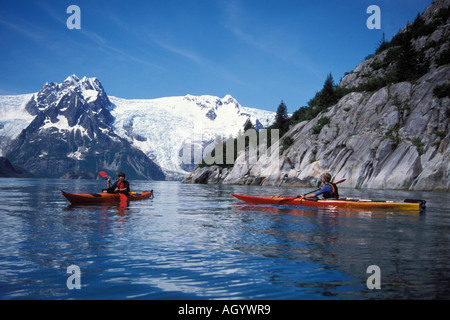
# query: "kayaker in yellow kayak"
[120,186]
[328,191]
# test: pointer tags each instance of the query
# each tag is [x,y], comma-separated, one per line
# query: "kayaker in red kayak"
[120,186]
[328,191]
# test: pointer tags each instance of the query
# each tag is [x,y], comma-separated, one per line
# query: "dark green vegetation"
[442,91]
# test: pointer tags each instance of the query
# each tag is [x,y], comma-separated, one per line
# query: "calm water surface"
[198,242]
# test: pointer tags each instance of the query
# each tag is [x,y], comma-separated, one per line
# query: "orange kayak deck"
[408,204]
[88,198]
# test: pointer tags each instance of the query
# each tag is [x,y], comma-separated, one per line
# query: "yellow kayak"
[407,204]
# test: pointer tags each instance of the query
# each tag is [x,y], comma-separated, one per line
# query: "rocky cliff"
[390,136]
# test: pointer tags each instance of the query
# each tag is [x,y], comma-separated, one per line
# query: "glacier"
[166,128]
[13,117]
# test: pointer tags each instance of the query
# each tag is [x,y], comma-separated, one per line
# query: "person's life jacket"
[120,185]
[334,194]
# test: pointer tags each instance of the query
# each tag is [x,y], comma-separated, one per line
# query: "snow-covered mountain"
[75,126]
[70,130]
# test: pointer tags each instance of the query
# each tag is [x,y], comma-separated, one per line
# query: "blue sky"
[258,51]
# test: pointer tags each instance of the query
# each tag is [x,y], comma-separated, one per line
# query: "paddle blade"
[103,174]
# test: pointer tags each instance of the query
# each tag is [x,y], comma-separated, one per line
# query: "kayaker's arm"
[307,196]
[325,188]
[113,187]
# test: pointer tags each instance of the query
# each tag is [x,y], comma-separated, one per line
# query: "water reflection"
[340,239]
[198,242]
[121,209]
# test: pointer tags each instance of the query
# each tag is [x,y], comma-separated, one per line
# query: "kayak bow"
[408,204]
[77,198]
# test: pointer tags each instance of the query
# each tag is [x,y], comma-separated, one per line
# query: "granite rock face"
[396,137]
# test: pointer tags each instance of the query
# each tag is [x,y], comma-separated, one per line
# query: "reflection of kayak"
[75,198]
[408,204]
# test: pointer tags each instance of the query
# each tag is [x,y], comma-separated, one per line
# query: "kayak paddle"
[289,199]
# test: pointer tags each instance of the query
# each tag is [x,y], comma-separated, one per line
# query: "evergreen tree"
[282,119]
[327,95]
[248,125]
[417,26]
[323,99]
[411,64]
[406,64]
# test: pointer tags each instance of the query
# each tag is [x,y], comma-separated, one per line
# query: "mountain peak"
[72,79]
[229,99]
[209,102]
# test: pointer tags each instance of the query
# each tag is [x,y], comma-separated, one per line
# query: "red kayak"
[408,204]
[77,198]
